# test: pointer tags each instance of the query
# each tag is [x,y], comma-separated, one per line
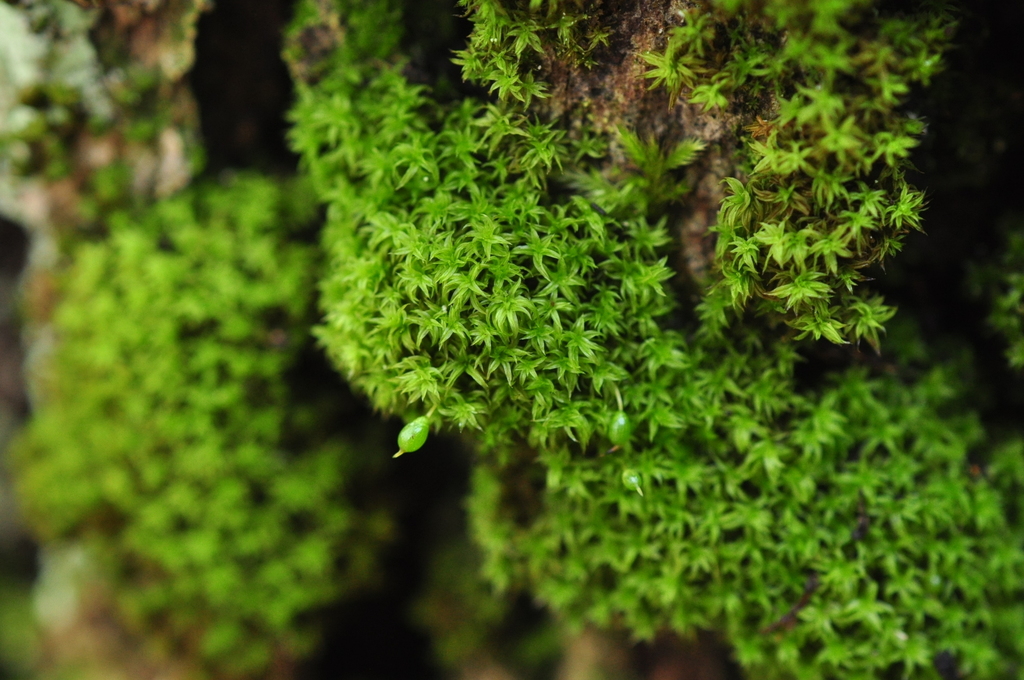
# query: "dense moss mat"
[507,274]
[168,439]
[657,452]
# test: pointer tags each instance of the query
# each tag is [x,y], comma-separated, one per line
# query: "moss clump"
[825,195]
[491,278]
[449,207]
[508,275]
[841,538]
[1003,283]
[170,441]
[511,39]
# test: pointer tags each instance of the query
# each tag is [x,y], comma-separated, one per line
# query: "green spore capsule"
[413,436]
[621,429]
[631,480]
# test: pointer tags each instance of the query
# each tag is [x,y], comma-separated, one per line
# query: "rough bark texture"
[614,93]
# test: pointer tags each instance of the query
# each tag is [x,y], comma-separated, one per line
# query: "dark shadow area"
[434,31]
[13,254]
[18,553]
[669,657]
[971,166]
[970,163]
[242,85]
[372,637]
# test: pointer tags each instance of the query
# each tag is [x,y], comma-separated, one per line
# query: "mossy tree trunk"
[633,252]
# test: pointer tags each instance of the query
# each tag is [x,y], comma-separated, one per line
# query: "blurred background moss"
[104,111]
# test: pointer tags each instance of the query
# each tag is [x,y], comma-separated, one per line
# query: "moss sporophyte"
[632,480]
[620,430]
[413,436]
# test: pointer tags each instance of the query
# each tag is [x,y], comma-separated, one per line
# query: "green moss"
[1003,284]
[509,40]
[826,196]
[507,276]
[169,440]
[860,490]
[18,641]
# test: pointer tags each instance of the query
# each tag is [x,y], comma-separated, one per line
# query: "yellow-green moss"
[493,271]
[167,436]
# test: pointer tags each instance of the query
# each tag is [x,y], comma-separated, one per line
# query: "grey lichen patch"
[158,34]
[96,106]
[21,53]
[44,48]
